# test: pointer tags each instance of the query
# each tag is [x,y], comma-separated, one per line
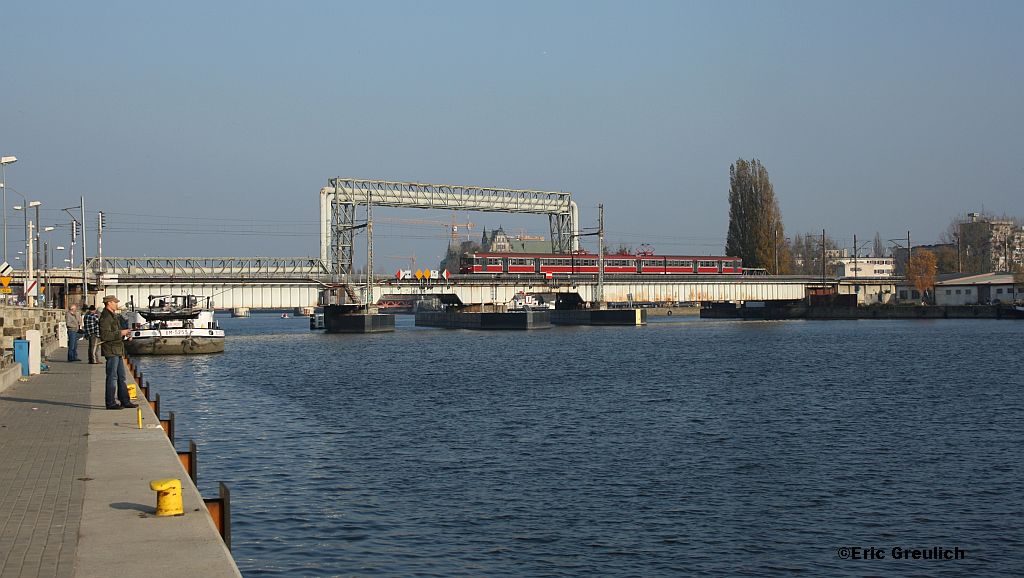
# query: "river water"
[686,447]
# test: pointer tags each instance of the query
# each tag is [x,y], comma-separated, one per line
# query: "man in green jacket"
[112,347]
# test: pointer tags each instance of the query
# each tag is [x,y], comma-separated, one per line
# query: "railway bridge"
[278,283]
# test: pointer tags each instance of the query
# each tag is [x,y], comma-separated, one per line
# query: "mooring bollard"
[168,497]
[138,412]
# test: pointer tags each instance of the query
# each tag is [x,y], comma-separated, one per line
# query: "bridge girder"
[340,197]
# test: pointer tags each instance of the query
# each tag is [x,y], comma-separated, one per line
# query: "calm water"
[681,448]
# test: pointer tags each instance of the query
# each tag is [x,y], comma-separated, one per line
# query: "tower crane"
[451,226]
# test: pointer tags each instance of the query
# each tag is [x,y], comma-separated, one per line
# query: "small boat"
[284,316]
[529,302]
[174,325]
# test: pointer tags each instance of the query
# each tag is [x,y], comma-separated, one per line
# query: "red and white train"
[586,263]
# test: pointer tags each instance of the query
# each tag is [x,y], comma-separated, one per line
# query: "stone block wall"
[15,321]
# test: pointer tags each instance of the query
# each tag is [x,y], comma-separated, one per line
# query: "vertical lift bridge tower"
[338,201]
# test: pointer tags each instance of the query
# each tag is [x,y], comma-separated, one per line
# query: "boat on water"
[523,301]
[174,325]
[284,316]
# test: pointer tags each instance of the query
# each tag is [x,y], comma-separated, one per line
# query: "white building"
[866,267]
[977,290]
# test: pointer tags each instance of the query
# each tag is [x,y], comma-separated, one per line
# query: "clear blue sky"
[870,116]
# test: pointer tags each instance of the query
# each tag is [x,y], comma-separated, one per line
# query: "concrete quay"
[74,485]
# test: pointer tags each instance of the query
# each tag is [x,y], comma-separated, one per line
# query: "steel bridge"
[277,283]
[341,196]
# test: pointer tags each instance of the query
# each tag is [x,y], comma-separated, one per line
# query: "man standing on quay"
[92,333]
[112,337]
[74,322]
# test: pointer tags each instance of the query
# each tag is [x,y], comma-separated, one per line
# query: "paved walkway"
[74,486]
[43,443]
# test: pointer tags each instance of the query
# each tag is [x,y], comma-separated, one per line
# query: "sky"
[208,128]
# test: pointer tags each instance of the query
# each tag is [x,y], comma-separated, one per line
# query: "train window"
[493,261]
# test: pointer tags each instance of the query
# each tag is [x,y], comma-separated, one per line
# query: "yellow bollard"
[168,497]
[139,413]
[133,391]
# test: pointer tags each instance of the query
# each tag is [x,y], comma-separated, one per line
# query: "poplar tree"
[878,250]
[756,233]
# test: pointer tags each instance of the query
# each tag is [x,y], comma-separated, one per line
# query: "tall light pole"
[45,275]
[24,209]
[38,245]
[4,161]
[85,280]
[78,228]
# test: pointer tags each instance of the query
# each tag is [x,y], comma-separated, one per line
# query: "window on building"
[915,294]
[999,291]
[949,291]
[967,291]
[903,293]
[957,291]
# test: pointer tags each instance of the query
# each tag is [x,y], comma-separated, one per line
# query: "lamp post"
[39,227]
[44,284]
[4,161]
[80,229]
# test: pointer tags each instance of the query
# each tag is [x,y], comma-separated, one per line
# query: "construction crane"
[522,235]
[452,226]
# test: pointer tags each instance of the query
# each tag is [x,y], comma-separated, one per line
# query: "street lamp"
[39,226]
[45,260]
[81,229]
[4,161]
[25,210]
[28,236]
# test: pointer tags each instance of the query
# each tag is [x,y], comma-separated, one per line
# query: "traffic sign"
[398,274]
[5,269]
[30,288]
[419,274]
[6,281]
[446,275]
[6,290]
[426,273]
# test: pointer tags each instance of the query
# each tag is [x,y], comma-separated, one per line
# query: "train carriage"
[587,263]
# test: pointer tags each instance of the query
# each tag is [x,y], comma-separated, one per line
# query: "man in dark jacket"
[112,347]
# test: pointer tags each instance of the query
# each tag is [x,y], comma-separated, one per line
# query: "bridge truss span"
[340,197]
[210,267]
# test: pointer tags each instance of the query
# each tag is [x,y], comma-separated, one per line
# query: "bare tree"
[878,250]
[806,252]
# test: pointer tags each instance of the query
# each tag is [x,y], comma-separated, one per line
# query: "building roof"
[975,279]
